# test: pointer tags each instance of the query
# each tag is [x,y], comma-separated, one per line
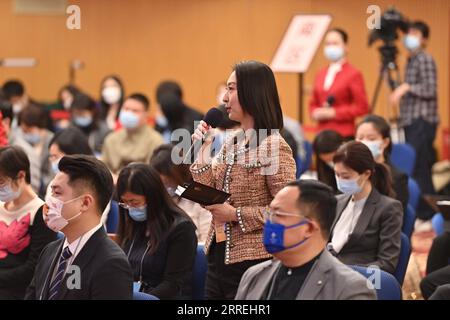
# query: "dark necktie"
[55,285]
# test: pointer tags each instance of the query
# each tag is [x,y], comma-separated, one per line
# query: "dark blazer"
[376,237]
[105,272]
[400,185]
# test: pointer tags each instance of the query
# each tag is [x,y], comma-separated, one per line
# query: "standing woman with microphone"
[251,172]
[339,95]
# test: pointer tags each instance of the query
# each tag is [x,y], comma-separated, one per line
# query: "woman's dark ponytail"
[382,180]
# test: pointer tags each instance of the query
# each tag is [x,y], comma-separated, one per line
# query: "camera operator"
[418,108]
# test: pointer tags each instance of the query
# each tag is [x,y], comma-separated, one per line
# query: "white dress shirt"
[346,223]
[76,246]
[333,69]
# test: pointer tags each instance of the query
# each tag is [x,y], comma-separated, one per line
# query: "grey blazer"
[377,234]
[328,279]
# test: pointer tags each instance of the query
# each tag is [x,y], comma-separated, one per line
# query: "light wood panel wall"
[197,42]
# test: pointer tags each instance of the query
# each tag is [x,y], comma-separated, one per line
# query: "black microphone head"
[213,117]
[331,100]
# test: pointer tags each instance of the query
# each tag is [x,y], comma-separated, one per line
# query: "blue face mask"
[138,214]
[55,166]
[348,186]
[32,138]
[83,121]
[334,53]
[128,119]
[274,236]
[411,42]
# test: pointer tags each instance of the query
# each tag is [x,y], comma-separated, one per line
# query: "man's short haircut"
[87,172]
[142,98]
[317,201]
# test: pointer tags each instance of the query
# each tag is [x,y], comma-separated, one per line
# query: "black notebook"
[202,194]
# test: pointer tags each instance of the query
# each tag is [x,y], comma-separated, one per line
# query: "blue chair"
[143,296]
[112,221]
[438,223]
[414,193]
[403,259]
[403,156]
[199,274]
[302,165]
[408,221]
[388,288]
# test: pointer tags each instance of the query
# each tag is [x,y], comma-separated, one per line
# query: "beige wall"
[197,42]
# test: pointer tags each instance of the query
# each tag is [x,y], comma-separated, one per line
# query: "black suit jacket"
[105,271]
[377,234]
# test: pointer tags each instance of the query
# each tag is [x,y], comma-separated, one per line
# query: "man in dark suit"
[86,264]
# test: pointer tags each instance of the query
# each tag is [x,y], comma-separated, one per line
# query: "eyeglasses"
[127,206]
[273,215]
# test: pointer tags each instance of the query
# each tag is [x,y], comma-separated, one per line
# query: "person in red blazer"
[339,95]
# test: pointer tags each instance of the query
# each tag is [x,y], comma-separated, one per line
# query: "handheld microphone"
[213,118]
[330,101]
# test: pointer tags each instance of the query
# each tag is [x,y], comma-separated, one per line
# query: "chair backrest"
[403,259]
[199,274]
[403,156]
[303,165]
[387,288]
[414,193]
[408,221]
[143,296]
[438,223]
[112,222]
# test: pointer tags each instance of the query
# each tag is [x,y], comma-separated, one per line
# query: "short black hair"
[422,27]
[71,141]
[6,110]
[327,141]
[142,98]
[13,88]
[13,160]
[168,87]
[342,33]
[82,101]
[89,172]
[320,202]
[34,116]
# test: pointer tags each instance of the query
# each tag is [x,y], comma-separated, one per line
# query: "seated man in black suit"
[86,264]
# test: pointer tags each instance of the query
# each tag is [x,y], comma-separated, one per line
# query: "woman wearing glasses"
[158,237]
[253,164]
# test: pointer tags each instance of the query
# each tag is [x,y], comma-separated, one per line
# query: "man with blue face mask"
[417,97]
[296,231]
[135,141]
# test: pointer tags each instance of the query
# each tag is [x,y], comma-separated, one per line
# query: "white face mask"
[7,194]
[56,221]
[17,107]
[374,147]
[111,95]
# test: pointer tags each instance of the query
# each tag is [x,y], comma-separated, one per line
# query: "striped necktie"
[56,283]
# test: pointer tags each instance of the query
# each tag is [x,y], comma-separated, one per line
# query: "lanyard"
[142,258]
